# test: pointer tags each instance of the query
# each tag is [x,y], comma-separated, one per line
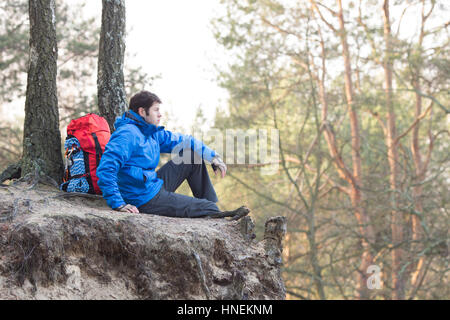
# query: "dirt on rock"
[55,245]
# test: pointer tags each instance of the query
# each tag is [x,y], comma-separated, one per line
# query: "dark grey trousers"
[171,204]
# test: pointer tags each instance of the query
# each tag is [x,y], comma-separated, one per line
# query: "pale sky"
[173,38]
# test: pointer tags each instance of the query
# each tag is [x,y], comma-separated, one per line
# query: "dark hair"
[143,99]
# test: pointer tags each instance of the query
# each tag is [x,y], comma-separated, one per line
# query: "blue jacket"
[126,173]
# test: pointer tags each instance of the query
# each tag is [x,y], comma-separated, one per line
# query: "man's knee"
[188,165]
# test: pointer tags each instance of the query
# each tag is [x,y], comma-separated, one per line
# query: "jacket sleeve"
[169,141]
[117,152]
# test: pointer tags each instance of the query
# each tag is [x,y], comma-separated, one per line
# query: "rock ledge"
[58,246]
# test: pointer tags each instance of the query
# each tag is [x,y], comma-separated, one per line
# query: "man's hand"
[218,164]
[127,208]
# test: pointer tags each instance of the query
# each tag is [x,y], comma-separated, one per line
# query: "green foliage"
[13,48]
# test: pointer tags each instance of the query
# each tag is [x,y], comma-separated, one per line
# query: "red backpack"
[92,133]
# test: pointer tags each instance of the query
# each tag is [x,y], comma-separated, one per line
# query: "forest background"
[359,93]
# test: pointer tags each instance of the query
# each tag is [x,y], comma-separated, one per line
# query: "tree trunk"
[420,170]
[419,166]
[42,138]
[112,99]
[392,146]
[352,175]
[356,194]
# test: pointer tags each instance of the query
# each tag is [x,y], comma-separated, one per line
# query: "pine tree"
[42,138]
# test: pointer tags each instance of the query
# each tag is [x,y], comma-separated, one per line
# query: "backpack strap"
[98,149]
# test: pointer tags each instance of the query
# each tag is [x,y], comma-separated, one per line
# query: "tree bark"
[112,99]
[42,138]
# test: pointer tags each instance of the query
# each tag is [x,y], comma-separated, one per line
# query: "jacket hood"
[131,117]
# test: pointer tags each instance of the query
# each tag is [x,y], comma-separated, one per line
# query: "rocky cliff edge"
[55,245]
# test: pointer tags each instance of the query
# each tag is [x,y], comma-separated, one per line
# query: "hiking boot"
[234,215]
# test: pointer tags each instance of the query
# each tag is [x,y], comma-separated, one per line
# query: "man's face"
[153,116]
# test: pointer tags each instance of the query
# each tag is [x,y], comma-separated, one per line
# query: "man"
[127,176]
